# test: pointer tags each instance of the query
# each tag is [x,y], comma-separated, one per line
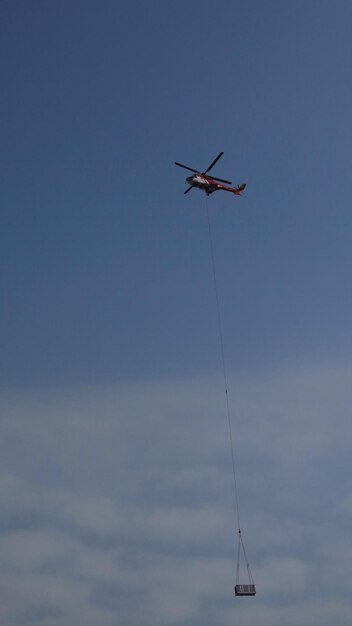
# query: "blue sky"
[115,476]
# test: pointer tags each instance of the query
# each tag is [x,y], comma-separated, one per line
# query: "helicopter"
[209,184]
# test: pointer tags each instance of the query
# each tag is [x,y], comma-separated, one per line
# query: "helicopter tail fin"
[238,190]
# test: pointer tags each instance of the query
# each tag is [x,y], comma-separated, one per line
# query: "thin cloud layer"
[117,502]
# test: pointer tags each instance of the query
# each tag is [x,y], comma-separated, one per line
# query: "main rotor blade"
[213,163]
[189,189]
[187,168]
[221,180]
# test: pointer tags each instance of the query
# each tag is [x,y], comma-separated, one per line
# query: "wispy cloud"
[117,502]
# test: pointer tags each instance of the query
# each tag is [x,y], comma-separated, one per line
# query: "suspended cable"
[221,341]
[239,589]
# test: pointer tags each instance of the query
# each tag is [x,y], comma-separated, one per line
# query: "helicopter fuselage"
[207,184]
[203,182]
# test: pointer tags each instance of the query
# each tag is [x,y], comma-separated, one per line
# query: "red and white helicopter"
[209,184]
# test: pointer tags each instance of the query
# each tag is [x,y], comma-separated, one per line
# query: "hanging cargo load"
[245,590]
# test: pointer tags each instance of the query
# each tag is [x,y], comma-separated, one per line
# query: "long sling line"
[221,341]
[223,366]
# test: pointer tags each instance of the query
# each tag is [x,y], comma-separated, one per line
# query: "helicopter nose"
[189,179]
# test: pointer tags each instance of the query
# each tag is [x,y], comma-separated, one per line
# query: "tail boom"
[236,190]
